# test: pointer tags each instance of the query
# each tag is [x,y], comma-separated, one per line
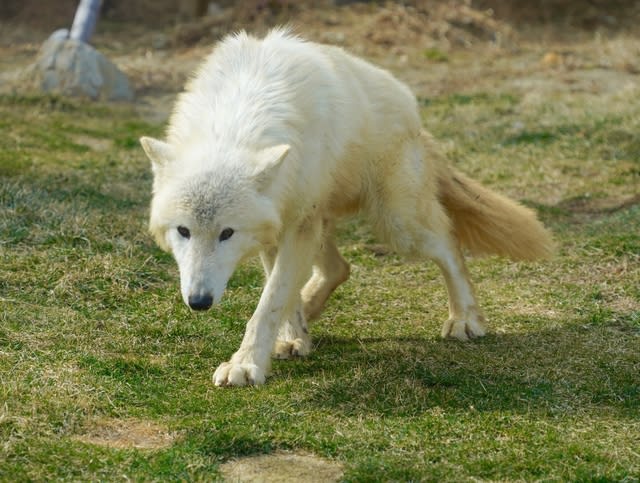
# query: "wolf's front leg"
[280,298]
[293,337]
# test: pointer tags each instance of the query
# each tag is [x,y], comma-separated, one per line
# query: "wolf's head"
[211,216]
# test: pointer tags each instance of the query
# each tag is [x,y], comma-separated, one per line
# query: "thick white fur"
[276,138]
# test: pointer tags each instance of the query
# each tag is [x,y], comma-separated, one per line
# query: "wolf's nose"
[200,302]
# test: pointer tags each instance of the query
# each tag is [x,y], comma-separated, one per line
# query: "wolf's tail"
[487,223]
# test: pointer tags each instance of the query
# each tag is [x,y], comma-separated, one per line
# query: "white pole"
[85,20]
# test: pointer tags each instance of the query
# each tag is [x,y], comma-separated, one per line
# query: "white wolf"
[276,138]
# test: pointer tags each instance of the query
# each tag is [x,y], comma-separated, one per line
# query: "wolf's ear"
[157,151]
[268,159]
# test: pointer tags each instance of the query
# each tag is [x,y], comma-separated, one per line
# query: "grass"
[92,328]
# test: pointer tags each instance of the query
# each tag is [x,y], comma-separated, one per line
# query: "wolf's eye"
[226,234]
[184,232]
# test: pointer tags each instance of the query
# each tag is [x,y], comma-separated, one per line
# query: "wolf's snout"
[200,302]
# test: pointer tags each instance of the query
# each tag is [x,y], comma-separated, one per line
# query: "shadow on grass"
[565,370]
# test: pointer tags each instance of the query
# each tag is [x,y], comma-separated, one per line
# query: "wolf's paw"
[238,374]
[464,328]
[288,349]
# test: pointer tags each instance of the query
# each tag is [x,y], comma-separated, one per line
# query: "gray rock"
[60,34]
[74,68]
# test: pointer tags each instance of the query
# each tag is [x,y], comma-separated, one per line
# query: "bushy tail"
[487,223]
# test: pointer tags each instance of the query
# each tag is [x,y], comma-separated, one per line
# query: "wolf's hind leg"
[425,230]
[329,271]
[465,318]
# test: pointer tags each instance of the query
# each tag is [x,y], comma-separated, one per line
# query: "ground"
[106,375]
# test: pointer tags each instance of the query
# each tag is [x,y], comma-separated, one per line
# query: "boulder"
[74,68]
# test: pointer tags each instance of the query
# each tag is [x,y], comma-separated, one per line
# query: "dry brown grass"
[282,467]
[127,434]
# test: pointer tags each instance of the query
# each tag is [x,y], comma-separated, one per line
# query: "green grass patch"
[435,55]
[92,327]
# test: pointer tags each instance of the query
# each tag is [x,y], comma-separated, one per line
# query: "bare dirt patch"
[127,434]
[283,468]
